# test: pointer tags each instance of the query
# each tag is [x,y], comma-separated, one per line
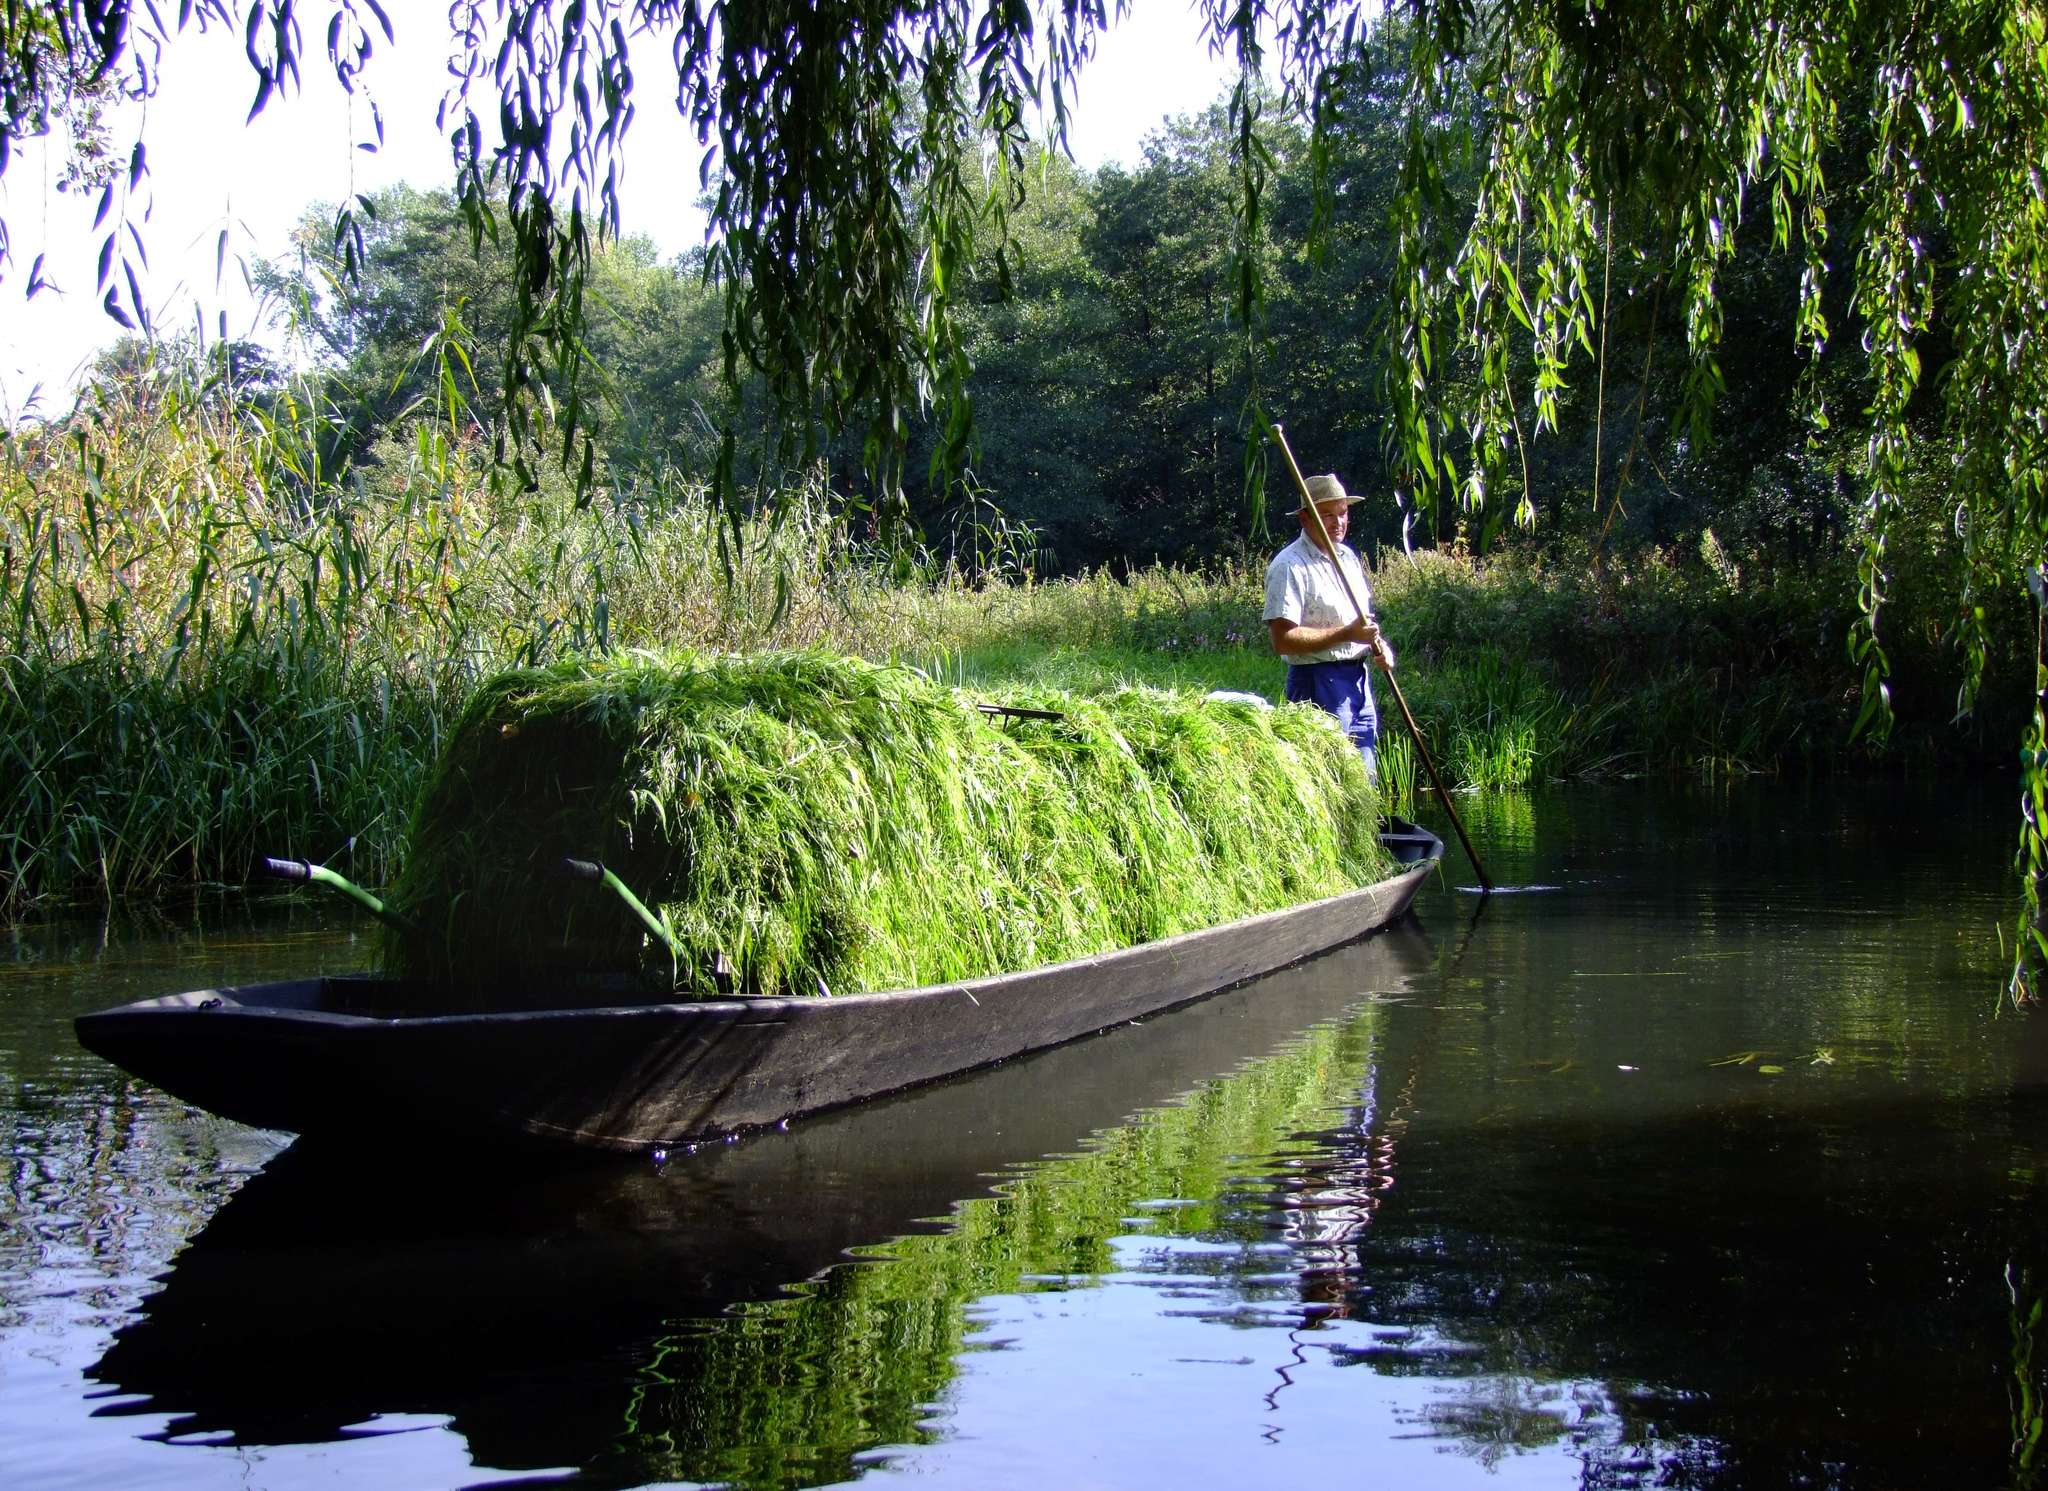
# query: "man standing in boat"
[1327,643]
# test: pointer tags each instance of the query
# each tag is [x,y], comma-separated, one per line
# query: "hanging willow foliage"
[1652,128]
[842,143]
[857,151]
[1581,130]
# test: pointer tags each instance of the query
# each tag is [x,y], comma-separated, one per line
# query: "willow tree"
[856,151]
[1909,137]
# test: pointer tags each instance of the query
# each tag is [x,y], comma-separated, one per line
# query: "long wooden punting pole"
[1414,731]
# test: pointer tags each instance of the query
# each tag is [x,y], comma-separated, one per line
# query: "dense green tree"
[416,276]
[656,338]
[1162,239]
[425,302]
[1110,378]
[1043,350]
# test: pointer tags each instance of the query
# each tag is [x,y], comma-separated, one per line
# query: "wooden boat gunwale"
[641,1075]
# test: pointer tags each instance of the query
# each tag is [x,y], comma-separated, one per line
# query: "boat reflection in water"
[632,1322]
[1717,1174]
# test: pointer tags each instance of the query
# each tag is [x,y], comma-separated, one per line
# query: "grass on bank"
[211,648]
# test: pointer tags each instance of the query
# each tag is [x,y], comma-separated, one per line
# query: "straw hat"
[1326,489]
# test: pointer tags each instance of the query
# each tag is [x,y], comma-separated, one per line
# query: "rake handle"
[595,871]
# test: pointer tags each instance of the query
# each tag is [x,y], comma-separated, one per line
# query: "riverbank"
[197,673]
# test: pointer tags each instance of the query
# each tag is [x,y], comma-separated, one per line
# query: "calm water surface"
[1712,1163]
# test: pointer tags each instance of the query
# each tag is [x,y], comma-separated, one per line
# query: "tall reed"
[210,646]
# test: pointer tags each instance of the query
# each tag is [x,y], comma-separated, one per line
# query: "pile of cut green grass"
[806,823]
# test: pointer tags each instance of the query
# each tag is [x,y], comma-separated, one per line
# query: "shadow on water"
[1769,1299]
[583,1313]
[1719,1167]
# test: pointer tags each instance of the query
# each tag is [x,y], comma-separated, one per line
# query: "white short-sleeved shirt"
[1302,587]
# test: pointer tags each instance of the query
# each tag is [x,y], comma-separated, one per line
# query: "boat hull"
[312,1056]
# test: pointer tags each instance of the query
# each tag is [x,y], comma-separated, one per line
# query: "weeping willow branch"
[856,154]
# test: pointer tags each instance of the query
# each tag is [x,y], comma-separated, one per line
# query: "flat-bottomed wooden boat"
[326,1057]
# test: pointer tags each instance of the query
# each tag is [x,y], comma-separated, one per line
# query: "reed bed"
[212,645]
[805,823]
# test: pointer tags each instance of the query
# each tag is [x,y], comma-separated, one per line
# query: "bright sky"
[209,173]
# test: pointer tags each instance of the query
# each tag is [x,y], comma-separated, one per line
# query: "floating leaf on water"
[1771,1070]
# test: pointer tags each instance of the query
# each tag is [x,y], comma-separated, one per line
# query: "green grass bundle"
[806,823]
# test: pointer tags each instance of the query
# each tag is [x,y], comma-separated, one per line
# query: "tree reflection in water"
[1525,1215]
[2029,1376]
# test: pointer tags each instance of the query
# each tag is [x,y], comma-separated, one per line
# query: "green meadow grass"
[1101,668]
